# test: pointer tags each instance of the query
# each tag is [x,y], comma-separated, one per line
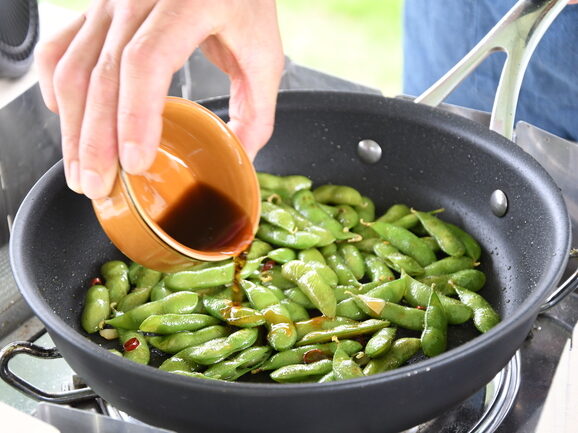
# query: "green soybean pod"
[299,355]
[286,185]
[312,284]
[406,242]
[470,279]
[239,365]
[115,275]
[135,346]
[209,276]
[282,255]
[282,334]
[134,270]
[233,314]
[216,350]
[298,240]
[394,213]
[365,210]
[445,237]
[343,331]
[258,249]
[344,367]
[347,216]
[320,323]
[329,377]
[174,343]
[274,277]
[303,224]
[329,210]
[431,243]
[297,296]
[175,363]
[296,311]
[418,294]
[434,338]
[349,309]
[380,343]
[404,317]
[305,203]
[337,194]
[277,216]
[449,265]
[311,255]
[160,291]
[353,259]
[172,323]
[148,278]
[302,372]
[136,297]
[485,317]
[473,248]
[96,308]
[409,221]
[396,260]
[181,303]
[401,351]
[376,268]
[367,245]
[345,275]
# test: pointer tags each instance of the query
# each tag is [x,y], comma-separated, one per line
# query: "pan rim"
[528,308]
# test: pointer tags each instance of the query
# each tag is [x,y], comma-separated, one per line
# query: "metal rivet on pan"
[499,203]
[369,151]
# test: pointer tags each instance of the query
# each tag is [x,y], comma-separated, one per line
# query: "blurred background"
[359,40]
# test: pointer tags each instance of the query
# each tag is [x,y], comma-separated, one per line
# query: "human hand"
[108,72]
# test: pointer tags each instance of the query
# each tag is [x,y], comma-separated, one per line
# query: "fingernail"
[92,184]
[134,159]
[73,178]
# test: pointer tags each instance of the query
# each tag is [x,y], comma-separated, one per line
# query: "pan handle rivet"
[499,203]
[369,151]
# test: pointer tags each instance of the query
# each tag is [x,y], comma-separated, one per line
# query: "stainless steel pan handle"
[517,34]
[28,348]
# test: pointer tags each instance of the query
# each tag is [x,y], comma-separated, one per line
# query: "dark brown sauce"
[240,261]
[206,220]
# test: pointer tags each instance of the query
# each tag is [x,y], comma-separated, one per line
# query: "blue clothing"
[438,33]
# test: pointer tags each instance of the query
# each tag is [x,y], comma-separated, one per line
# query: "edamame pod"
[353,259]
[179,303]
[394,213]
[298,240]
[216,275]
[244,362]
[172,323]
[449,265]
[115,275]
[96,308]
[337,194]
[135,347]
[401,351]
[434,338]
[174,343]
[282,255]
[233,314]
[302,372]
[485,317]
[216,350]
[473,248]
[277,216]
[396,260]
[380,343]
[406,242]
[405,317]
[344,367]
[445,237]
[343,331]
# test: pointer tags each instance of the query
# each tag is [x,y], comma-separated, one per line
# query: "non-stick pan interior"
[430,160]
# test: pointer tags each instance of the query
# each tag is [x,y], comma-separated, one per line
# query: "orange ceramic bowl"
[197,149]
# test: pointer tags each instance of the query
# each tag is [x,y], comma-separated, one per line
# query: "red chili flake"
[131,344]
[268,265]
[313,355]
[419,307]
[95,281]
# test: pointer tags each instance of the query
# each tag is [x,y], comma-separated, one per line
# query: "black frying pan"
[431,159]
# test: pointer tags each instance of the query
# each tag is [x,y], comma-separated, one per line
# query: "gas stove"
[514,401]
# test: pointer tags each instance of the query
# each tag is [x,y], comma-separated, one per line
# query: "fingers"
[98,152]
[159,48]
[71,79]
[255,70]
